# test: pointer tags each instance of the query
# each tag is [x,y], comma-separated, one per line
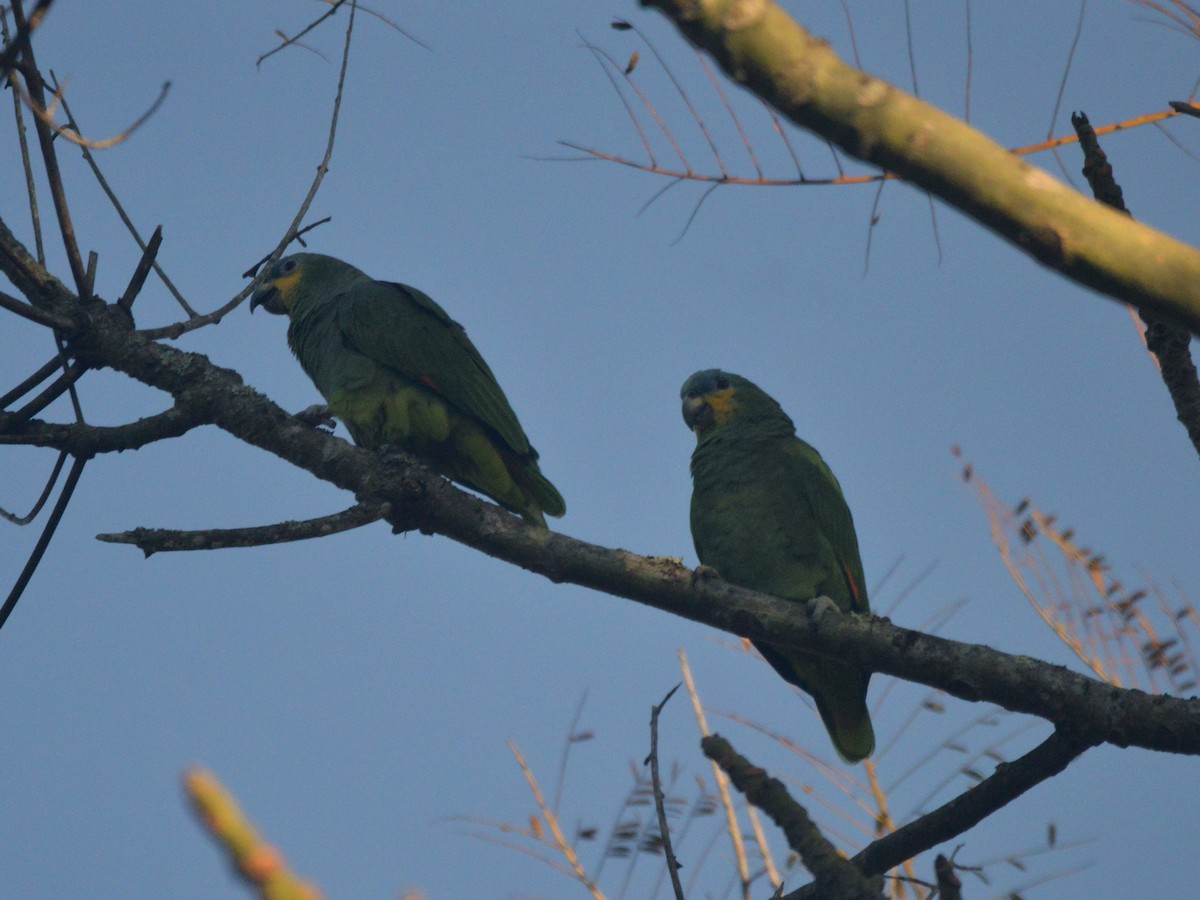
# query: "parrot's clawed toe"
[705,573]
[317,416]
[818,606]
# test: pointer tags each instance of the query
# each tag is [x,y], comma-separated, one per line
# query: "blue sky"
[356,693]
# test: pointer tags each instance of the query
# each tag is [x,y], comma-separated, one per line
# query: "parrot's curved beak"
[267,296]
[697,414]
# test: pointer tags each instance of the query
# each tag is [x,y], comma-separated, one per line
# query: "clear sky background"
[357,692]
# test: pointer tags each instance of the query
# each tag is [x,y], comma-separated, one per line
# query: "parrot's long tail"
[840,692]
[849,725]
[540,491]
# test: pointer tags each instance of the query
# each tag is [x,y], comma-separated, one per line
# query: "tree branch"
[1166,339]
[1009,781]
[833,875]
[419,499]
[80,439]
[765,50]
[33,314]
[154,540]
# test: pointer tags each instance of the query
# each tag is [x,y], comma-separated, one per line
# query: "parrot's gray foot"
[818,606]
[317,416]
[705,573]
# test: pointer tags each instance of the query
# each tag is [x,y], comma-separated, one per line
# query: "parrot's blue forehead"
[707,382]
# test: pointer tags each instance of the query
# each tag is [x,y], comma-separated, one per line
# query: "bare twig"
[49,394]
[293,230]
[288,41]
[664,829]
[46,116]
[33,314]
[41,501]
[12,48]
[156,540]
[124,217]
[39,549]
[23,143]
[560,840]
[722,780]
[1166,339]
[144,265]
[46,370]
[34,87]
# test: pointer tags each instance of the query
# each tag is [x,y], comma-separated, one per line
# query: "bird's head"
[297,274]
[714,401]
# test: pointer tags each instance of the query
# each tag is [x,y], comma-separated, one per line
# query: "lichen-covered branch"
[764,49]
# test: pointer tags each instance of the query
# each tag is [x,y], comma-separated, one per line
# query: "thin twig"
[33,314]
[552,821]
[664,830]
[1062,87]
[43,541]
[722,781]
[46,116]
[22,140]
[288,41]
[49,394]
[12,48]
[41,501]
[124,217]
[570,742]
[149,254]
[34,87]
[45,371]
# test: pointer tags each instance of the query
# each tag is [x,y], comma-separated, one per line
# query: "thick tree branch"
[1009,781]
[419,499]
[762,48]
[833,875]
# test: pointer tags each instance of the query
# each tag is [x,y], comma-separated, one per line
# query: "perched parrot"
[399,371]
[768,515]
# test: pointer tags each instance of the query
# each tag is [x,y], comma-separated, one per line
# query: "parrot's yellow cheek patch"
[723,404]
[286,286]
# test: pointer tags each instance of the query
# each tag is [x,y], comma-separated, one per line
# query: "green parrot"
[399,371]
[768,515]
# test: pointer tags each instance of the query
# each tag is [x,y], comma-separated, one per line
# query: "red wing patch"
[856,596]
[429,383]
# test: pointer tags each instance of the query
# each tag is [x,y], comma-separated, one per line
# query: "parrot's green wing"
[406,332]
[823,496]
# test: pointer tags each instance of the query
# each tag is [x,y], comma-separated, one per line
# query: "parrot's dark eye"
[288,266]
[722,384]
